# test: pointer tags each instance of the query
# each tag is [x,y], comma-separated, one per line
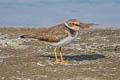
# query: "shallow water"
[51,12]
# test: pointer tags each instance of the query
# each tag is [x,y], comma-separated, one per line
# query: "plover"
[60,35]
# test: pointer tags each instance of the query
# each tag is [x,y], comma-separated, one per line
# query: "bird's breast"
[65,41]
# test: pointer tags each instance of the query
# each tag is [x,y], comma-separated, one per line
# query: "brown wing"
[54,34]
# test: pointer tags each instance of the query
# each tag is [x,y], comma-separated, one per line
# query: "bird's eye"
[70,24]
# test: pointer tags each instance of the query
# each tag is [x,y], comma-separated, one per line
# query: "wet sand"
[94,55]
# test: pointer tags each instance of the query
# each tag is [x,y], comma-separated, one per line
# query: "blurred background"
[46,13]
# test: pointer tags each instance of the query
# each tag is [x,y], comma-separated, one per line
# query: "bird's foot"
[61,62]
[64,61]
[58,62]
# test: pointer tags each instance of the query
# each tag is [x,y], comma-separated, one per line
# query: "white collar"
[67,25]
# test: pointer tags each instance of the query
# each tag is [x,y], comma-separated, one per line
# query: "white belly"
[65,41]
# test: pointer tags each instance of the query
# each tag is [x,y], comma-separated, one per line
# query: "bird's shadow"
[78,57]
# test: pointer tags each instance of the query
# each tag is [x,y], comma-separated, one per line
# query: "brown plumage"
[53,34]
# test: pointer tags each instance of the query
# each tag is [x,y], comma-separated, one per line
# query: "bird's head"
[74,24]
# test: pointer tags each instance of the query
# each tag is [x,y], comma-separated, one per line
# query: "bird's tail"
[27,36]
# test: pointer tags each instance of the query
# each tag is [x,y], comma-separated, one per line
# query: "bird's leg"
[61,56]
[55,51]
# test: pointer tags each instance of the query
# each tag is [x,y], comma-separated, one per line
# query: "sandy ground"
[94,55]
